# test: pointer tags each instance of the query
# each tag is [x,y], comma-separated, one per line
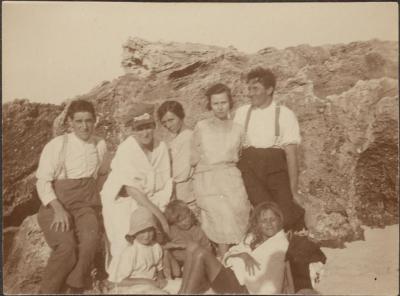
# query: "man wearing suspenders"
[269,163]
[67,172]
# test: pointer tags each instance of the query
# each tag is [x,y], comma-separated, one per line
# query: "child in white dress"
[140,267]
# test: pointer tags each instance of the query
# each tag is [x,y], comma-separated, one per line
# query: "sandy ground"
[369,267]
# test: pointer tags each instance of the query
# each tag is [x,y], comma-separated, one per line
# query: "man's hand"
[61,220]
[250,263]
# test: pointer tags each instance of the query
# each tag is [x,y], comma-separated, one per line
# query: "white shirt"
[139,261]
[82,160]
[261,128]
[271,256]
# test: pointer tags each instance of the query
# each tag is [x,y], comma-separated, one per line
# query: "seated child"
[140,268]
[184,229]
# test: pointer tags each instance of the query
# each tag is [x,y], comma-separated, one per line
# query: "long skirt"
[223,203]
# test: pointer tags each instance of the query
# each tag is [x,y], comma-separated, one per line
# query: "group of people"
[212,206]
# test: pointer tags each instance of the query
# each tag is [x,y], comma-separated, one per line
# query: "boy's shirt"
[180,236]
[139,261]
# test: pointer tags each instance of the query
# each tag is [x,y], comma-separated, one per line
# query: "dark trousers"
[73,251]
[266,178]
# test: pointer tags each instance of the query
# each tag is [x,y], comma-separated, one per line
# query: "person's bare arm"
[142,199]
[292,158]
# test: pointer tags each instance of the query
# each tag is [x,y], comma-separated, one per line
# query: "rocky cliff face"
[345,97]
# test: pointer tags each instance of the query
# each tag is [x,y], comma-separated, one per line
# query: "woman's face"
[220,105]
[269,223]
[145,237]
[172,122]
[144,134]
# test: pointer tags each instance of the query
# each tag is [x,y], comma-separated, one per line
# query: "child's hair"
[177,210]
[254,227]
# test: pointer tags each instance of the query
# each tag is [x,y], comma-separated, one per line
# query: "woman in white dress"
[171,116]
[140,175]
[218,185]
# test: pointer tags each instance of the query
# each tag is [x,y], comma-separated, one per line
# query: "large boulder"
[26,259]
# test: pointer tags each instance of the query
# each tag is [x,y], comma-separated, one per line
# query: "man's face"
[82,124]
[258,95]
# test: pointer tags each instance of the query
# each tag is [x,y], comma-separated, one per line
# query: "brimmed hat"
[141,219]
[136,114]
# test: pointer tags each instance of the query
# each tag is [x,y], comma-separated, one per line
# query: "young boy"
[140,267]
[184,229]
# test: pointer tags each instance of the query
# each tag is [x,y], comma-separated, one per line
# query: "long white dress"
[218,185]
[131,167]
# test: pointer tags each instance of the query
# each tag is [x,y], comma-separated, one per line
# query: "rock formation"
[345,97]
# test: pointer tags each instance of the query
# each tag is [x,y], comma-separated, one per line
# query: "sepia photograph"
[200,148]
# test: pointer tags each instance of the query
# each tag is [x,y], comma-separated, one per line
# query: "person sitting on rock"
[66,183]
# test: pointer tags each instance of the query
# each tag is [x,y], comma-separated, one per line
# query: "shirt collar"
[271,106]
[75,139]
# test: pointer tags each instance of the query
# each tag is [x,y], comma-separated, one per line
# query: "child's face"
[185,222]
[269,223]
[145,237]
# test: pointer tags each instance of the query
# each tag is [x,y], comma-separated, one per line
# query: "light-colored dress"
[217,182]
[131,167]
[180,147]
[268,279]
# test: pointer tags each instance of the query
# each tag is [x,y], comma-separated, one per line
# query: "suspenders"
[277,127]
[63,153]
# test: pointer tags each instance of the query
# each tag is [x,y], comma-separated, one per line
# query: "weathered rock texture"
[345,97]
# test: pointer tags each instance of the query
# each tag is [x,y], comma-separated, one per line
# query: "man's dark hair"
[171,106]
[263,76]
[218,88]
[80,106]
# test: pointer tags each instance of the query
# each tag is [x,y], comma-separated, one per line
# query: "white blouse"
[271,257]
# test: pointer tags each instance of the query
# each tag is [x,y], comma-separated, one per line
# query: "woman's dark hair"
[263,76]
[80,106]
[254,227]
[171,106]
[218,88]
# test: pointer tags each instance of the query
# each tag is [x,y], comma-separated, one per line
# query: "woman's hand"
[250,263]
